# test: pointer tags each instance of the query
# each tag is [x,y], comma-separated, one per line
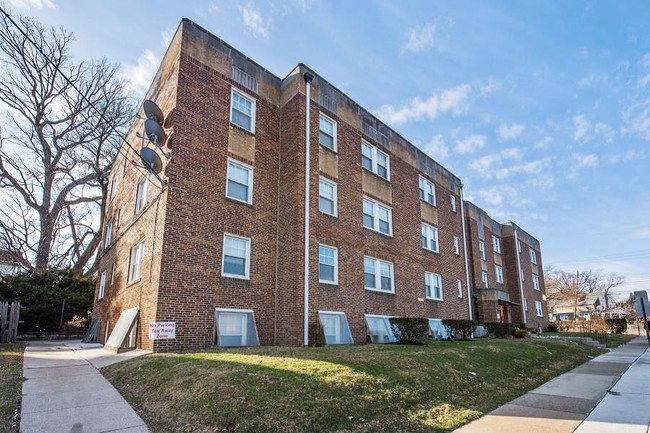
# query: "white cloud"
[544,143]
[470,144]
[491,86]
[637,119]
[166,37]
[615,158]
[641,234]
[436,148]
[213,8]
[581,127]
[579,161]
[255,22]
[606,131]
[510,132]
[140,75]
[420,38]
[448,101]
[36,4]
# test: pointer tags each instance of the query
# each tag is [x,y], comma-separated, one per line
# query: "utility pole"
[575,304]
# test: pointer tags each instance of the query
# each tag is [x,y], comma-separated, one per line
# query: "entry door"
[505,318]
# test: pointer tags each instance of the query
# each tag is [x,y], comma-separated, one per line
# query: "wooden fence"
[9,317]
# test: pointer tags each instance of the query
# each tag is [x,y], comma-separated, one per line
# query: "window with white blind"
[235,327]
[334,325]
[375,160]
[427,191]
[433,286]
[242,111]
[327,132]
[327,196]
[377,217]
[135,262]
[236,257]
[239,184]
[328,264]
[429,235]
[498,270]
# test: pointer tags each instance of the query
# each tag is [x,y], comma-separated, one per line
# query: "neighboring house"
[215,254]
[8,265]
[588,306]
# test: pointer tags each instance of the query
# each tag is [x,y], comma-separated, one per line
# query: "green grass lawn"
[11,383]
[613,340]
[367,388]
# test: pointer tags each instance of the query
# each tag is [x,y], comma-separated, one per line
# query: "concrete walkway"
[64,393]
[608,394]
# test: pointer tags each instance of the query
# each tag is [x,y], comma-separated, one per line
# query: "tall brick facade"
[186,216]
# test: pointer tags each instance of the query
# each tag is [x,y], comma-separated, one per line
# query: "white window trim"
[539,311]
[132,278]
[109,233]
[433,191]
[496,244]
[453,203]
[536,284]
[250,187]
[525,304]
[336,196]
[486,280]
[336,265]
[378,316]
[533,256]
[246,275]
[481,250]
[114,184]
[498,270]
[375,217]
[102,285]
[459,288]
[374,161]
[335,131]
[345,318]
[378,275]
[433,296]
[142,194]
[253,109]
[113,269]
[456,246]
[428,233]
[236,310]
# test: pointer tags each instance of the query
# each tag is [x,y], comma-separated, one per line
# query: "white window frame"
[481,250]
[536,285]
[335,187]
[336,265]
[523,277]
[375,216]
[374,161]
[141,194]
[249,198]
[429,278]
[342,316]
[245,336]
[391,338]
[114,184]
[422,183]
[430,232]
[496,244]
[113,266]
[377,274]
[519,246]
[247,265]
[533,256]
[102,285]
[326,118]
[456,245]
[253,102]
[109,233]
[485,279]
[459,288]
[453,203]
[539,309]
[136,259]
[498,270]
[525,304]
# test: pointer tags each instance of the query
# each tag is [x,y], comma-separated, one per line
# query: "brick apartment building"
[214,247]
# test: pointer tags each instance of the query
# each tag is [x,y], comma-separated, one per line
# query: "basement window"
[334,325]
[242,111]
[379,329]
[235,327]
[438,330]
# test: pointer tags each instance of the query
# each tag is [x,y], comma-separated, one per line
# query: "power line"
[611,257]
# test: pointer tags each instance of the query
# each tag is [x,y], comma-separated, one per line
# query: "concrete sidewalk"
[609,394]
[63,391]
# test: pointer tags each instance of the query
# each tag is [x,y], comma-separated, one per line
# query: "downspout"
[308,77]
[521,286]
[465,250]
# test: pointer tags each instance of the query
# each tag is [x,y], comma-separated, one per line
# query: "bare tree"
[55,148]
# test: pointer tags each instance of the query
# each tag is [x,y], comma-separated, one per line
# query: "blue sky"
[542,108]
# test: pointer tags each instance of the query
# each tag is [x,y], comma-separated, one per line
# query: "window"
[379,329]
[427,191]
[481,249]
[114,183]
[523,277]
[109,233]
[459,288]
[375,160]
[328,264]
[135,263]
[538,309]
[519,246]
[239,182]
[141,194]
[377,217]
[496,244]
[456,245]
[438,330]
[433,286]
[327,197]
[113,266]
[102,285]
[242,111]
[499,271]
[236,257]
[430,238]
[536,282]
[484,279]
[453,203]
[235,327]
[327,132]
[378,275]
[335,327]
[525,304]
[533,256]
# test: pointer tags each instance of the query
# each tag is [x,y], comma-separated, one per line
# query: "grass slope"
[613,340]
[11,383]
[369,388]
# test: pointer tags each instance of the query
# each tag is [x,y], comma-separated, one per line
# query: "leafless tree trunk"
[55,149]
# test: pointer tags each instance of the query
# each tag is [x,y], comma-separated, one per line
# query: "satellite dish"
[151,160]
[155,132]
[153,112]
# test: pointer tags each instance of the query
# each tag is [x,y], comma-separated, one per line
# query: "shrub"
[519,325]
[499,330]
[617,326]
[462,328]
[552,327]
[410,329]
[519,333]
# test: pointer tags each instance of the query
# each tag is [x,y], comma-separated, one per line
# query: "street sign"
[641,303]
[162,330]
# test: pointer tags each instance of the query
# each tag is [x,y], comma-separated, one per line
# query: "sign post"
[642,307]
